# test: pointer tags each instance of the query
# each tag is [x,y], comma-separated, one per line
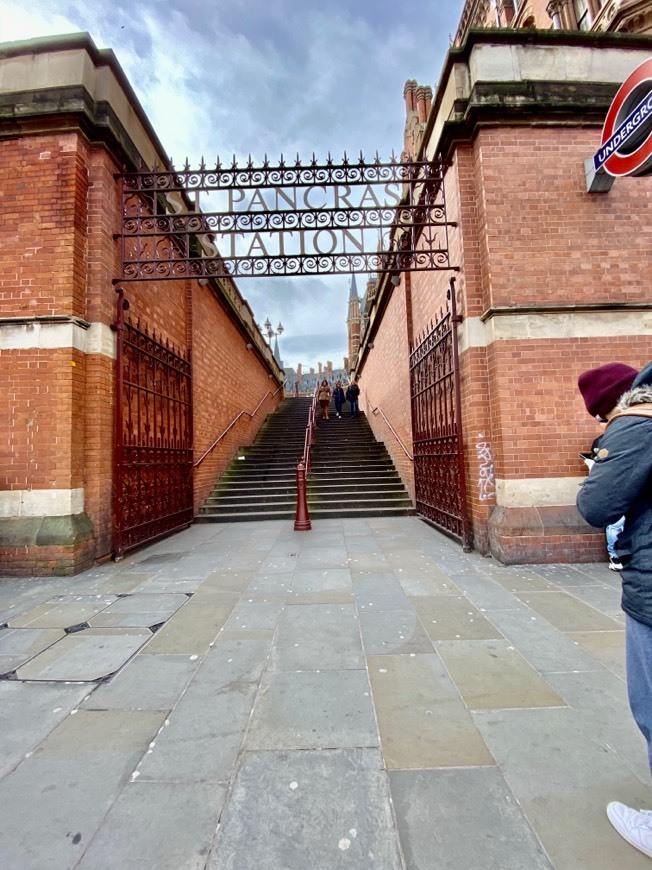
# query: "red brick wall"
[528,236]
[58,256]
[385,385]
[227,379]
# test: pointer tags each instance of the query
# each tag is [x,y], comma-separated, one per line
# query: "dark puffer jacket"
[620,482]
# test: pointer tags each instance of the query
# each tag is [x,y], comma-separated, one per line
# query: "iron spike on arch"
[283,219]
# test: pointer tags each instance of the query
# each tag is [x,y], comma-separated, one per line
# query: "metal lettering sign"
[286,219]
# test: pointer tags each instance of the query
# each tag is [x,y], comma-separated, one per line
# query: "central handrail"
[379,410]
[302,520]
[310,434]
[251,415]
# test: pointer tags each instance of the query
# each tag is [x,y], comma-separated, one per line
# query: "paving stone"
[202,735]
[234,658]
[192,630]
[544,646]
[317,636]
[566,612]
[321,586]
[28,642]
[318,810]
[599,596]
[281,564]
[493,675]
[563,779]
[86,655]
[250,560]
[255,615]
[393,632]
[520,580]
[483,591]
[63,614]
[490,832]
[453,617]
[158,559]
[166,583]
[55,800]
[381,591]
[152,682]
[276,585]
[423,722]
[600,700]
[28,713]
[608,647]
[426,582]
[322,557]
[309,710]
[166,826]
[364,563]
[228,581]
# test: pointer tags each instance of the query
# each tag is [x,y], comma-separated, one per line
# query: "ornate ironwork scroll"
[284,219]
[153,476]
[439,476]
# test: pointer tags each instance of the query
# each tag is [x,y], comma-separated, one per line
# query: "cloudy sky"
[224,77]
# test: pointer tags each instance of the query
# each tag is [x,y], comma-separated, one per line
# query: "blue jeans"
[353,404]
[638,642]
[612,533]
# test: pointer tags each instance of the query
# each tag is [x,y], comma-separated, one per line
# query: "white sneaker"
[635,826]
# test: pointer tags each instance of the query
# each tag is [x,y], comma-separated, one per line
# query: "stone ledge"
[535,535]
[46,545]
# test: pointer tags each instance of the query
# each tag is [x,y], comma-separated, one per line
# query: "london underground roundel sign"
[626,146]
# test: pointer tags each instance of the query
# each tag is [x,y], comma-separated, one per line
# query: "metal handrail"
[251,415]
[310,433]
[378,410]
[302,519]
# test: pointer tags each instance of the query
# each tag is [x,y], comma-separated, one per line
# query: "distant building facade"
[600,16]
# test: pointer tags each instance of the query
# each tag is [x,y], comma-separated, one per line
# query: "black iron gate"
[153,492]
[439,477]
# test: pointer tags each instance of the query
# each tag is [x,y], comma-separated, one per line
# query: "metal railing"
[377,410]
[249,414]
[302,519]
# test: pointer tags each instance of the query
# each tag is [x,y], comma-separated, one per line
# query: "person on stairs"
[324,398]
[620,484]
[338,398]
[353,396]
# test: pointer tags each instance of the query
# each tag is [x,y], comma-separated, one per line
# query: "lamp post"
[271,332]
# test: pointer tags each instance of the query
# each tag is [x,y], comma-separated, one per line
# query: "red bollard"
[302,520]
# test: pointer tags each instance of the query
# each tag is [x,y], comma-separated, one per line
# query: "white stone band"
[537,491]
[41,502]
[95,338]
[473,332]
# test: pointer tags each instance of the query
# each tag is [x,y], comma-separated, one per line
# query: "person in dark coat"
[353,396]
[338,398]
[620,484]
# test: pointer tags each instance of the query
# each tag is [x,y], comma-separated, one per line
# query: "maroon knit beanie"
[601,388]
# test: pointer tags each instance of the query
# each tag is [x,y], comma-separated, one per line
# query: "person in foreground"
[620,484]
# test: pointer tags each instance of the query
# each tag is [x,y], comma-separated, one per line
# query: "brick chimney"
[424,102]
[299,369]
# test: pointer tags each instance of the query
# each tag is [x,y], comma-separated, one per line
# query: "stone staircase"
[352,473]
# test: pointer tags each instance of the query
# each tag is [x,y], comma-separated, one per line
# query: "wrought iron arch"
[284,219]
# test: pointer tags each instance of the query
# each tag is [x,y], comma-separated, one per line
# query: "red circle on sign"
[628,164]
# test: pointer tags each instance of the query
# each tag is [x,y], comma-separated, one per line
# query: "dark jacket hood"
[641,391]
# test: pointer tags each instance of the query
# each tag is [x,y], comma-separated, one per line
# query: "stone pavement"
[363,695]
